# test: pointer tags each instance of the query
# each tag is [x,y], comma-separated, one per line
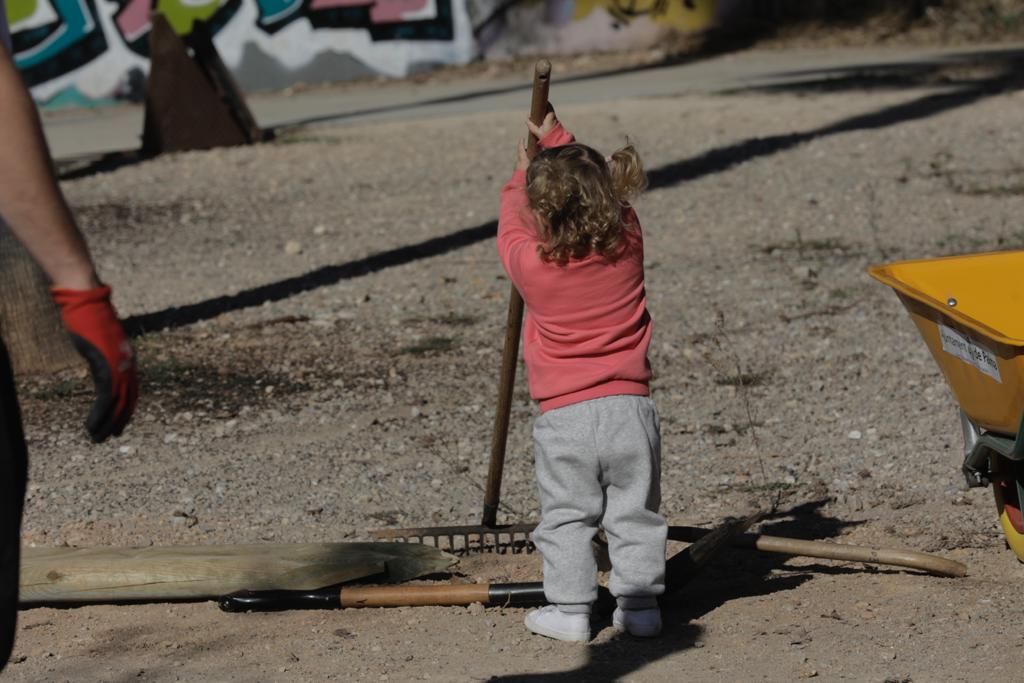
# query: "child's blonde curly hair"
[579,198]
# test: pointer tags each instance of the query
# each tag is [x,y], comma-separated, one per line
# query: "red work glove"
[97,334]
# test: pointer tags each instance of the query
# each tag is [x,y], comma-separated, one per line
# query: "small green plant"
[450,318]
[455,319]
[186,385]
[62,389]
[430,345]
[744,378]
[838,293]
[771,487]
[832,245]
[1007,184]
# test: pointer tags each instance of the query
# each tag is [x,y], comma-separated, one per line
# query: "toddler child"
[572,245]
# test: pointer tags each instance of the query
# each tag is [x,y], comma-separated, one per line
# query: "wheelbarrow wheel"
[1007,490]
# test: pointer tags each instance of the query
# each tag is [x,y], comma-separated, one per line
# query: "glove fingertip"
[95,435]
[125,408]
[100,421]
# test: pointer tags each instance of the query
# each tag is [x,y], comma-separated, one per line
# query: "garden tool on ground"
[489,535]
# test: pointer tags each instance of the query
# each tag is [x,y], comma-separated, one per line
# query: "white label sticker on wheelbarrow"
[969,351]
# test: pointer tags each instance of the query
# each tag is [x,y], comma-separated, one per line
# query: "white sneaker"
[554,623]
[644,623]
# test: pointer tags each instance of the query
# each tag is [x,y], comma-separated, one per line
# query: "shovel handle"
[445,594]
[352,596]
[513,328]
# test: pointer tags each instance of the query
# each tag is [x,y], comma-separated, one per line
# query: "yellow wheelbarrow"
[970,311]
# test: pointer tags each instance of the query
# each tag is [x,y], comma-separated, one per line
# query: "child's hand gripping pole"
[513,328]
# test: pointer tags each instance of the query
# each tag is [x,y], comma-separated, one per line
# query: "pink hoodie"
[586,329]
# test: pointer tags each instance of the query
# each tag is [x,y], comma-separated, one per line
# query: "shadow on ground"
[81,167]
[940,70]
[733,574]
[1005,78]
[1000,68]
[105,659]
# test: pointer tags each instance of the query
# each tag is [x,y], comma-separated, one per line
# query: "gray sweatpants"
[599,463]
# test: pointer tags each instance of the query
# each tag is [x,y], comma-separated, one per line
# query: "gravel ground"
[337,313]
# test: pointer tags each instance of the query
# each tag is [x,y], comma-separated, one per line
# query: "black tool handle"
[352,596]
[328,597]
[516,593]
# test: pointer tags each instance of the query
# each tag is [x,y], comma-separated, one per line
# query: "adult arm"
[34,208]
[31,202]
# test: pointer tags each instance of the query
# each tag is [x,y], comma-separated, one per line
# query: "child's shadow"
[732,574]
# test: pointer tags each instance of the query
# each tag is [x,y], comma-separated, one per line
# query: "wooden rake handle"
[911,559]
[513,328]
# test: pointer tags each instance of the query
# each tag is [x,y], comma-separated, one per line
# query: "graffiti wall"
[97,49]
[580,26]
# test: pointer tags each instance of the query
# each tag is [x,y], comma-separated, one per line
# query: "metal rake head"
[461,540]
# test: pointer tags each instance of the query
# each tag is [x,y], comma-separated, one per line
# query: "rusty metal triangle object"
[191,101]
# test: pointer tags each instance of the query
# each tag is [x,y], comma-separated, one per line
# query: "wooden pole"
[911,559]
[513,328]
